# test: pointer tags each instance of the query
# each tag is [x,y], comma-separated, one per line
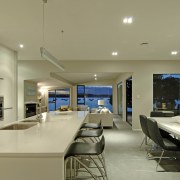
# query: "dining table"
[169,124]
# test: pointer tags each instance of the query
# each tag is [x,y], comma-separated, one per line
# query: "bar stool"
[93,134]
[79,150]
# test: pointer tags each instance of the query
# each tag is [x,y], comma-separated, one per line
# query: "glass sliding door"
[80,94]
[52,100]
[62,97]
[119,97]
[58,98]
[89,95]
[129,100]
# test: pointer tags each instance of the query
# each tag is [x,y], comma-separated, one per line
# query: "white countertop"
[52,137]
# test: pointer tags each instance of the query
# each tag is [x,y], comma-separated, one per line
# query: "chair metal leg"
[142,142]
[159,160]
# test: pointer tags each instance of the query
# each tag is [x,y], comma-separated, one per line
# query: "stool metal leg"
[65,164]
[102,160]
[93,176]
[100,170]
[71,168]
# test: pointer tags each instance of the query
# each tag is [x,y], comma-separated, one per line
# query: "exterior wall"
[8,84]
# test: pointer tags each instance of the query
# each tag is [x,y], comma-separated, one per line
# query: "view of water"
[59,102]
[91,102]
[61,97]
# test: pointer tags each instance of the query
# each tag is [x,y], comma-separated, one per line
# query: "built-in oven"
[1,108]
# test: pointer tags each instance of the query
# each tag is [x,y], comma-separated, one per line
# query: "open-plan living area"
[89,89]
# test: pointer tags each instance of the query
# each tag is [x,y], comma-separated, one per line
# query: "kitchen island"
[38,152]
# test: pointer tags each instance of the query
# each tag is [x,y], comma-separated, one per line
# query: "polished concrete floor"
[125,160]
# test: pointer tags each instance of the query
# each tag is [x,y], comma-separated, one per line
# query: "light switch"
[138,96]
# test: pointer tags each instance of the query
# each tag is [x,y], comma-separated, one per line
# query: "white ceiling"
[92,30]
[68,79]
[78,78]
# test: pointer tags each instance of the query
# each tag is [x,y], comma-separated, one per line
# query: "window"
[89,95]
[80,94]
[58,98]
[166,92]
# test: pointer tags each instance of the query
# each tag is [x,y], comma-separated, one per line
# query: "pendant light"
[45,53]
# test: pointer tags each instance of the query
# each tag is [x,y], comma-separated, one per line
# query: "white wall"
[32,70]
[8,86]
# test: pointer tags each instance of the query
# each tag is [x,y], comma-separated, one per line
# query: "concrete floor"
[125,160]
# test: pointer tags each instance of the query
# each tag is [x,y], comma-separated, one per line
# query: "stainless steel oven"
[1,108]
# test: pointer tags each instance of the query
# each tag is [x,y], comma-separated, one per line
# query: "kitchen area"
[35,148]
[8,86]
[33,143]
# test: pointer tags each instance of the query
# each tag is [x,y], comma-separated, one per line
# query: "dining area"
[163,131]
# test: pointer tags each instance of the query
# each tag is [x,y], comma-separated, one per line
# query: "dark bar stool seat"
[78,149]
[91,125]
[92,134]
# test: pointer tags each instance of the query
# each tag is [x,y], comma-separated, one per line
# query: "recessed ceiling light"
[95,75]
[174,52]
[127,20]
[114,53]
[21,45]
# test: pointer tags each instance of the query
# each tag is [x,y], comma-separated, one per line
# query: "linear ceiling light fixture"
[44,53]
[48,56]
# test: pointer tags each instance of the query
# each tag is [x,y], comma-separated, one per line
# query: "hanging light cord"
[43,24]
[62,34]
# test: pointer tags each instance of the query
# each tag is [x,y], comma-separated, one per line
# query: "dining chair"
[143,122]
[162,114]
[166,144]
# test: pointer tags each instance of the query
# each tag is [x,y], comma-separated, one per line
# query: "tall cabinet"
[8,84]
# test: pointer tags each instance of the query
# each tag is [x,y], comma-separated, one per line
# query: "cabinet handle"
[7,108]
